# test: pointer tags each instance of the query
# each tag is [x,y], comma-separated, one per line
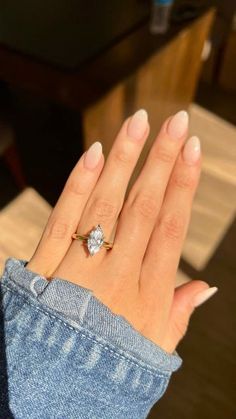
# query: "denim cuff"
[79,307]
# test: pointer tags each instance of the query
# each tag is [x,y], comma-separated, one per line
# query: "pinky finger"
[186,298]
[65,216]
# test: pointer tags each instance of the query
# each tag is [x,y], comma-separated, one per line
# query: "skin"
[137,277]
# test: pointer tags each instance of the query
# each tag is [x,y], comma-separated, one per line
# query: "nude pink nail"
[192,150]
[203,296]
[178,125]
[138,124]
[93,155]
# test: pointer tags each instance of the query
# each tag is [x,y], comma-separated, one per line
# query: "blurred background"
[70,73]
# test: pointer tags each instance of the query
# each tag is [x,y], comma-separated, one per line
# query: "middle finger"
[141,209]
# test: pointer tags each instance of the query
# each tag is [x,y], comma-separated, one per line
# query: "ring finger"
[106,201]
[65,216]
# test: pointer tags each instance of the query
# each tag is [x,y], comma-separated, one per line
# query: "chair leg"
[13,162]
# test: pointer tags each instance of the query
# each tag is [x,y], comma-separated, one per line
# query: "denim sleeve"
[69,356]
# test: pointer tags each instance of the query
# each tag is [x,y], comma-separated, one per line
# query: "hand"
[136,278]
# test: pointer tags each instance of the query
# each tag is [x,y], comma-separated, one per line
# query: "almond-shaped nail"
[192,150]
[203,296]
[178,125]
[93,155]
[138,124]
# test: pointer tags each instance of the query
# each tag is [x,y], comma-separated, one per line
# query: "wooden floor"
[205,386]
[214,205]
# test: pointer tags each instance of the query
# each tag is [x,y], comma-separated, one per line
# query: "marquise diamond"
[95,240]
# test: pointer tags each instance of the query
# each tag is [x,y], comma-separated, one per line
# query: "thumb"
[186,298]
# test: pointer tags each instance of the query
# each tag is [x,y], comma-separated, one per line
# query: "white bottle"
[160,15]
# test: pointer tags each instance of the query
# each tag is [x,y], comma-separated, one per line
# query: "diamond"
[95,240]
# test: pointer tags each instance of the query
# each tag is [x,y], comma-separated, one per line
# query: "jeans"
[69,356]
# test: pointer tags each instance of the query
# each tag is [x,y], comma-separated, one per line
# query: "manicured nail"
[192,150]
[93,155]
[178,125]
[138,124]
[202,296]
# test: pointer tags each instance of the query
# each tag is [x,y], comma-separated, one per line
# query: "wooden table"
[137,69]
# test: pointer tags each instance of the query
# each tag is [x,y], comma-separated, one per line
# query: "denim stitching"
[114,354]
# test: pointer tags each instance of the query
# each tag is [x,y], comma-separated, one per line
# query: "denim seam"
[113,353]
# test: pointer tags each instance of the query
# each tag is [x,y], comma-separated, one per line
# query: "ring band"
[95,240]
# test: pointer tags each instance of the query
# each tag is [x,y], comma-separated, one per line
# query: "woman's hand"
[136,278]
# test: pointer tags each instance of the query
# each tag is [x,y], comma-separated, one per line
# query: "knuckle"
[75,187]
[104,208]
[121,156]
[163,155]
[183,181]
[57,229]
[146,206]
[173,226]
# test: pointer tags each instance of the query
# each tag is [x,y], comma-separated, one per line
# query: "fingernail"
[202,296]
[138,124]
[192,150]
[93,155]
[178,125]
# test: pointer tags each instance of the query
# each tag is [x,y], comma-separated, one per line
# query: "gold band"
[77,236]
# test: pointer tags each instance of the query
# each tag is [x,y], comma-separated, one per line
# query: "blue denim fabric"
[69,357]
